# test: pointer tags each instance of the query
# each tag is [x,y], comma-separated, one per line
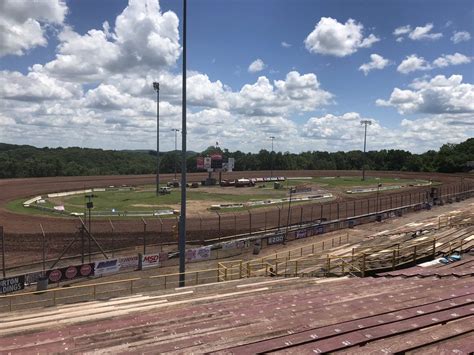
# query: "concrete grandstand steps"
[422,338]
[252,311]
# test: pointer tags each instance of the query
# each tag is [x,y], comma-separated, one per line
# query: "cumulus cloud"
[451,59]
[460,36]
[143,38]
[376,62]
[412,63]
[417,34]
[256,66]
[440,95]
[331,37]
[23,23]
[35,87]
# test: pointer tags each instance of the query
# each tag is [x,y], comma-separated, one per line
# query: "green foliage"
[27,161]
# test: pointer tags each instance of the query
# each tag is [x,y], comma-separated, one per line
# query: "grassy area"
[143,198]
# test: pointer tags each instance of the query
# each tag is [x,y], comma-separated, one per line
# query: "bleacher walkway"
[422,309]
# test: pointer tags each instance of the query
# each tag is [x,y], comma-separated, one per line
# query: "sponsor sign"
[33,277]
[12,284]
[106,267]
[195,254]
[319,230]
[301,234]
[207,162]
[128,263]
[70,272]
[276,239]
[200,162]
[150,260]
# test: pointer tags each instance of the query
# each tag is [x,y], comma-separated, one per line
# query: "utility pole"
[182,217]
[156,87]
[365,123]
[175,130]
[272,138]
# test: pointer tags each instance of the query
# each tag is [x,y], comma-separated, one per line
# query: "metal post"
[301,216]
[250,222]
[43,237]
[279,216]
[175,130]
[3,251]
[182,229]
[219,216]
[365,123]
[113,237]
[156,87]
[144,236]
[272,138]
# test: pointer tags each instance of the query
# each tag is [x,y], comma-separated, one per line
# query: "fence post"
[240,269]
[250,222]
[301,251]
[328,264]
[393,259]
[363,264]
[312,249]
[301,216]
[225,274]
[296,267]
[197,277]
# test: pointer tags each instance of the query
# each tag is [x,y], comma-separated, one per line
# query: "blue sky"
[308,88]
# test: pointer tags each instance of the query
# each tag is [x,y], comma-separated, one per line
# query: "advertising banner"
[200,162]
[128,263]
[207,162]
[318,229]
[33,277]
[202,253]
[106,267]
[70,272]
[12,284]
[276,239]
[150,260]
[301,234]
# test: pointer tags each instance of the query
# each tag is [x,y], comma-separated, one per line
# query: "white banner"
[150,260]
[105,267]
[202,253]
[128,262]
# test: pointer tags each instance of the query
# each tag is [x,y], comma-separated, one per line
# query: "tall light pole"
[156,87]
[365,123]
[272,138]
[182,217]
[175,130]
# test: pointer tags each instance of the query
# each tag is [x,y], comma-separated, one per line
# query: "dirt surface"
[425,219]
[11,189]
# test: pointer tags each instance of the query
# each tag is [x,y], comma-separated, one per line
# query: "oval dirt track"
[11,189]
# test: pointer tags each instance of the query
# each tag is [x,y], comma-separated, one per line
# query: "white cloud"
[256,66]
[460,36]
[451,59]
[440,95]
[35,87]
[402,30]
[23,23]
[285,44]
[333,38]
[143,38]
[413,63]
[417,34]
[422,33]
[376,62]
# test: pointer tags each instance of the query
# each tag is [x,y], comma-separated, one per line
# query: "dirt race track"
[23,237]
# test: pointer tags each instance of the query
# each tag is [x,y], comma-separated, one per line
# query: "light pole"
[175,130]
[156,87]
[271,173]
[365,122]
[182,217]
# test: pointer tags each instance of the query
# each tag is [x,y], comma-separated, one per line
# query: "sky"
[80,73]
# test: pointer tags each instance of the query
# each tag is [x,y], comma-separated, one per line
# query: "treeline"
[27,161]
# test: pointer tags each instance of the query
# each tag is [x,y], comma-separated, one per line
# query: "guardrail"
[103,290]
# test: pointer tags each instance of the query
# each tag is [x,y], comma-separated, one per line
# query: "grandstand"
[408,302]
